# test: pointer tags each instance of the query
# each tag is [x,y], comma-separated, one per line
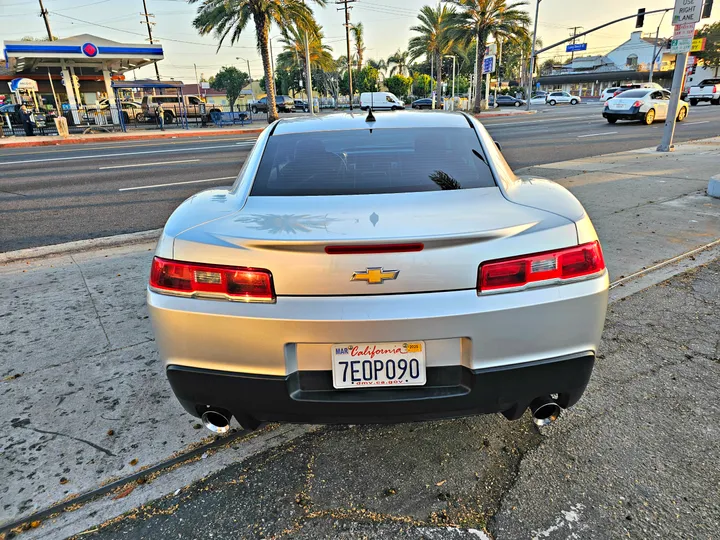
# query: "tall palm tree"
[357,32]
[400,60]
[231,17]
[293,55]
[484,18]
[381,65]
[434,37]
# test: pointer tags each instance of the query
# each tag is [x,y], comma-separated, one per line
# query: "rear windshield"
[634,93]
[368,161]
[709,82]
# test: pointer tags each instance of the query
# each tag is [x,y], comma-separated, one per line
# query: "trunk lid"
[458,229]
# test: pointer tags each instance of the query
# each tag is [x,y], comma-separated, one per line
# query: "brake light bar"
[364,249]
[560,265]
[211,281]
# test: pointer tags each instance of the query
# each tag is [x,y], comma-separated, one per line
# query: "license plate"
[362,365]
[618,106]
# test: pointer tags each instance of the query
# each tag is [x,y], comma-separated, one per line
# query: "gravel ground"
[637,457]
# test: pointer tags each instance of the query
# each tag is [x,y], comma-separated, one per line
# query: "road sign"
[691,61]
[488,65]
[574,47]
[698,45]
[687,11]
[680,46]
[684,31]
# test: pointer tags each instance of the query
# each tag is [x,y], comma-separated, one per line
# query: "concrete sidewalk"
[83,390]
[170,133]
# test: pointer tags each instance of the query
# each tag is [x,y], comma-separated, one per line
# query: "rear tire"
[169,117]
[649,117]
[693,102]
[611,120]
[552,102]
[254,110]
[715,101]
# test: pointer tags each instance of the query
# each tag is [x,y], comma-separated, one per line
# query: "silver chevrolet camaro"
[377,269]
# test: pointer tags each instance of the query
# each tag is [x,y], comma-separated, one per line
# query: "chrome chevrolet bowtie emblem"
[375,276]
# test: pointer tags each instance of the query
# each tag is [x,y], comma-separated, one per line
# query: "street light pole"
[657,36]
[532,56]
[248,65]
[453,86]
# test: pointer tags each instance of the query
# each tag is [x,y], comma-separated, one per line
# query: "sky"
[387,28]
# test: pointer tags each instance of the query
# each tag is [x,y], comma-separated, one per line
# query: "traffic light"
[640,18]
[707,9]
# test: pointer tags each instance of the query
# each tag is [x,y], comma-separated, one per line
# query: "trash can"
[62,126]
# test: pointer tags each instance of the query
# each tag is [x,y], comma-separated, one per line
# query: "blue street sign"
[488,64]
[574,47]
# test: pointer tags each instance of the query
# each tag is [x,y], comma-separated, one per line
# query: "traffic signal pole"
[677,85]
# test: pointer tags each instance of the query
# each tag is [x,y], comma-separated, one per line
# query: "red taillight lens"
[236,283]
[569,263]
[638,103]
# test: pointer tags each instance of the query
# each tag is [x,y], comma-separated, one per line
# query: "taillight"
[564,264]
[716,88]
[211,281]
[638,103]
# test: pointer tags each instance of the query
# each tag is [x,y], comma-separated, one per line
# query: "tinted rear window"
[633,94]
[371,161]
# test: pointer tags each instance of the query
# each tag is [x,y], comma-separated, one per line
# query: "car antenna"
[370,116]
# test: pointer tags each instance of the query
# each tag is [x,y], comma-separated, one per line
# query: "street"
[65,193]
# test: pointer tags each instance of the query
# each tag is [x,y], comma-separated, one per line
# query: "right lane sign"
[687,11]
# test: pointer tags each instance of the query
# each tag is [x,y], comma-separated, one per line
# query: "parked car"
[193,106]
[316,289]
[553,98]
[505,101]
[633,86]
[644,104]
[707,90]
[380,101]
[608,93]
[425,103]
[538,98]
[283,104]
[301,105]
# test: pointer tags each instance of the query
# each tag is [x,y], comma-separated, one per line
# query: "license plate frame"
[358,365]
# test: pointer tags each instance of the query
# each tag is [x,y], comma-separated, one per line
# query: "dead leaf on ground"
[127,490]
[441,483]
[133,462]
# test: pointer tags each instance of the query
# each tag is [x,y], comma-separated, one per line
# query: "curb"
[88,139]
[480,116]
[713,188]
[79,246]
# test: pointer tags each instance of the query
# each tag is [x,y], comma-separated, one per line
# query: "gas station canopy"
[84,51]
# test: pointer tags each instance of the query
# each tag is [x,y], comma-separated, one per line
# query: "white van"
[380,101]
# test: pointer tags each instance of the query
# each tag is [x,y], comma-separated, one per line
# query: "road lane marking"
[695,123]
[178,183]
[147,164]
[69,158]
[597,134]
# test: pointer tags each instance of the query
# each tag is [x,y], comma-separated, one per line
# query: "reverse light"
[550,266]
[211,281]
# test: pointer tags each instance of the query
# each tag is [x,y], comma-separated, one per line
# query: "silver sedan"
[378,269]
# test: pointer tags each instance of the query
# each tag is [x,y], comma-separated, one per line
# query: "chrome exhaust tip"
[216,420]
[544,411]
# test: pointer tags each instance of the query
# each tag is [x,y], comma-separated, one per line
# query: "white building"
[637,53]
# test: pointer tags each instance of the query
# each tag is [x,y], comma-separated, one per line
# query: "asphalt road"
[65,193]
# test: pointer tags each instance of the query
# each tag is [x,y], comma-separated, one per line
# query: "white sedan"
[562,97]
[644,104]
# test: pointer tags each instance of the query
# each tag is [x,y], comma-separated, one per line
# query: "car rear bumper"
[632,114]
[451,391]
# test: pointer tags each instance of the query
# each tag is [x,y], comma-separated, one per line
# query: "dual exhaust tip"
[544,412]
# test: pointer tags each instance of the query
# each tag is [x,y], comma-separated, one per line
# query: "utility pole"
[533,56]
[44,15]
[574,34]
[149,24]
[655,44]
[347,40]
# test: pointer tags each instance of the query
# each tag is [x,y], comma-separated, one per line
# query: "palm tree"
[484,18]
[293,55]
[357,31]
[400,60]
[381,65]
[434,39]
[224,17]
